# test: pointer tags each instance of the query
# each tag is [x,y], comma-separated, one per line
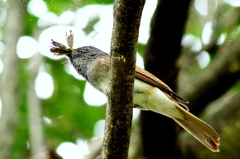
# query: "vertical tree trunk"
[162,50]
[37,147]
[9,82]
[127,15]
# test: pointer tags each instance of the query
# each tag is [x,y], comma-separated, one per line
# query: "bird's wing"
[149,78]
[154,81]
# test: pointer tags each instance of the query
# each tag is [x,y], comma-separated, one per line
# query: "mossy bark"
[127,16]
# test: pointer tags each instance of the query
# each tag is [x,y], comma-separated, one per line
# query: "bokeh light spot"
[26,47]
[1,66]
[98,129]
[0,108]
[207,33]
[70,150]
[44,85]
[203,59]
[93,97]
[37,7]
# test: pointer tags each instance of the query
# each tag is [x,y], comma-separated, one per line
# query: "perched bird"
[150,93]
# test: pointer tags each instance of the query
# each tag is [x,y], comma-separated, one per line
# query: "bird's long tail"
[200,130]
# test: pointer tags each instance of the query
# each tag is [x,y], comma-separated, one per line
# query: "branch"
[9,82]
[127,15]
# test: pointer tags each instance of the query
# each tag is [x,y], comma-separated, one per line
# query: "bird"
[149,92]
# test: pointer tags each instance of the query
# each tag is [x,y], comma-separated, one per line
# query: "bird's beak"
[60,49]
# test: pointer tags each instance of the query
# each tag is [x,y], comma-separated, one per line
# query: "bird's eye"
[85,49]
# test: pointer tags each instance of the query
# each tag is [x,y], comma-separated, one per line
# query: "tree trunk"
[127,16]
[162,50]
[9,82]
[35,118]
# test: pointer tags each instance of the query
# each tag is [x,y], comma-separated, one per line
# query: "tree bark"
[9,82]
[159,135]
[127,16]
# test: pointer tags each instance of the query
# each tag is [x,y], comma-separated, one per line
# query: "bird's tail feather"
[200,130]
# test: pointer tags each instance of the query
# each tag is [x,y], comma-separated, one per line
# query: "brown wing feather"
[153,80]
[150,79]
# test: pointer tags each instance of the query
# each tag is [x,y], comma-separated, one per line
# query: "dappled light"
[70,70]
[90,92]
[44,85]
[0,108]
[2,47]
[234,3]
[201,7]
[193,42]
[3,15]
[203,59]
[46,120]
[98,129]
[73,151]
[197,56]
[222,38]
[37,8]
[26,47]
[207,33]
[1,66]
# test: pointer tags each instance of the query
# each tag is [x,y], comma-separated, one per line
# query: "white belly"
[152,98]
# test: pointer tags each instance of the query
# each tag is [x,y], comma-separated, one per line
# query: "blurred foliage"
[21,141]
[59,6]
[68,108]
[71,118]
[30,24]
[70,115]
